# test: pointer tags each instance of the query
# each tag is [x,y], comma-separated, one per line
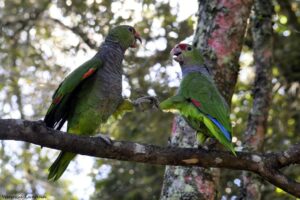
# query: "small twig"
[77,31]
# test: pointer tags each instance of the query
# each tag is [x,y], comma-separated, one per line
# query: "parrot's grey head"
[125,35]
[186,54]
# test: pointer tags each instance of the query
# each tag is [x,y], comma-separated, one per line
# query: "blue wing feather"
[221,127]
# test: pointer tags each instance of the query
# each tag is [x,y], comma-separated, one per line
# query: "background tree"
[42,41]
[219,36]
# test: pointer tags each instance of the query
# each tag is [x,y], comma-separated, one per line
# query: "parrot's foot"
[104,138]
[203,147]
[42,122]
[209,144]
[147,100]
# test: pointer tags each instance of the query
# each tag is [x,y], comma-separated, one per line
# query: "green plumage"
[91,93]
[199,101]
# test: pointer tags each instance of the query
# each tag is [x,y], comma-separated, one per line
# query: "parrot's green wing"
[206,97]
[61,99]
[208,106]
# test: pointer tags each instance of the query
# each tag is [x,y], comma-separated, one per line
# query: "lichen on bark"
[262,34]
[219,36]
[186,182]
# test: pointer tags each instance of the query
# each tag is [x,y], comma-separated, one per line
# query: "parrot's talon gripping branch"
[147,100]
[104,138]
[211,143]
[203,147]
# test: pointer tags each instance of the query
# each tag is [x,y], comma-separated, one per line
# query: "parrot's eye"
[189,48]
[130,29]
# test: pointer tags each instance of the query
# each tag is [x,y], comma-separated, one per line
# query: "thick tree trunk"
[186,182]
[262,34]
[219,36]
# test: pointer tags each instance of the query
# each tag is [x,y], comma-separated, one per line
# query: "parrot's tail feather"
[230,147]
[221,127]
[219,132]
[60,165]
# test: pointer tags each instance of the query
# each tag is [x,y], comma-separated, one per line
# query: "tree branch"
[22,23]
[77,31]
[266,165]
[286,8]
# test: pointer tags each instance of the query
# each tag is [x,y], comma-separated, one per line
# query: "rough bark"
[262,34]
[219,36]
[186,182]
[267,165]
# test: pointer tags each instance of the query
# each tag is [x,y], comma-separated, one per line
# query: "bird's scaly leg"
[104,138]
[146,101]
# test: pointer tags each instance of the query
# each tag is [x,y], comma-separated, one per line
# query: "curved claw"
[104,138]
[150,100]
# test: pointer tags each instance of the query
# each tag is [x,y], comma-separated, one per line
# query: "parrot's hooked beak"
[176,53]
[136,37]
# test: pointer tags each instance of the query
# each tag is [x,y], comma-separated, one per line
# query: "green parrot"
[198,99]
[92,93]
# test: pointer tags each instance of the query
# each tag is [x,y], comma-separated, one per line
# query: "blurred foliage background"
[42,41]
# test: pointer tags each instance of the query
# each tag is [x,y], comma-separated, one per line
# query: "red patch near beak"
[182,46]
[136,37]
